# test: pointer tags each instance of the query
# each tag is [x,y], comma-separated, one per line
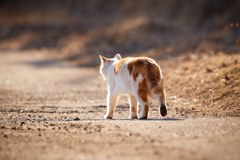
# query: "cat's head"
[106,63]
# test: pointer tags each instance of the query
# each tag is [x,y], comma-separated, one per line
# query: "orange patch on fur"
[162,96]
[133,109]
[143,90]
[149,70]
[137,66]
[111,113]
[146,109]
[118,65]
[104,60]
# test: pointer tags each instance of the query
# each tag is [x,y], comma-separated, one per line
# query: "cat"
[138,77]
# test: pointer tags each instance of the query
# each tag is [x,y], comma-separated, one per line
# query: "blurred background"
[81,30]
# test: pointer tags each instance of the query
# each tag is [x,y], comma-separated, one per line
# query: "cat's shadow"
[152,119]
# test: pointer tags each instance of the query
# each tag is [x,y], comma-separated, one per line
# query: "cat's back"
[131,71]
[121,66]
[135,66]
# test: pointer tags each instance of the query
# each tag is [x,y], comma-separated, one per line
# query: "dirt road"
[50,109]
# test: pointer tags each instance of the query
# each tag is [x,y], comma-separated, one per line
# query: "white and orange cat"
[139,77]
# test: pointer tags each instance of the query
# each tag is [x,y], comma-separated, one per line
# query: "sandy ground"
[50,109]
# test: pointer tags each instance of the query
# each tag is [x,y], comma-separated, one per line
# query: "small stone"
[10,110]
[236,61]
[76,119]
[3,127]
[226,77]
[21,123]
[129,134]
[22,111]
[224,65]
[209,70]
[5,136]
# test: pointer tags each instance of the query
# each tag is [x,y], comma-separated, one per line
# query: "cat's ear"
[118,56]
[103,59]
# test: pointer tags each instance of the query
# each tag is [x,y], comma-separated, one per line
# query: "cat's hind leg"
[133,107]
[162,104]
[142,98]
[111,104]
[145,109]
[141,94]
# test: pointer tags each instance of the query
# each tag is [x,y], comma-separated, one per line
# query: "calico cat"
[139,77]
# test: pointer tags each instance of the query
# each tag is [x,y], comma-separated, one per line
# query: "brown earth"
[51,109]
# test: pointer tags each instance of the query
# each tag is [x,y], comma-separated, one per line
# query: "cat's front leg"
[133,107]
[111,104]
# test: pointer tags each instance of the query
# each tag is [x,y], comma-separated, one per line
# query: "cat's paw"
[142,117]
[133,117]
[107,117]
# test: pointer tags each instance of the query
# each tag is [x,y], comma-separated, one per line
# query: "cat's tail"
[154,78]
[158,88]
